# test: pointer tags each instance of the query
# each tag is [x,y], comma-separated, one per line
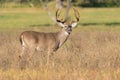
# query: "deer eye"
[66,27]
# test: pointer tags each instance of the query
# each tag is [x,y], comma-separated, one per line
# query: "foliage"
[99,3]
[83,3]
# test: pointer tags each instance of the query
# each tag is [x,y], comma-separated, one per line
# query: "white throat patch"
[66,33]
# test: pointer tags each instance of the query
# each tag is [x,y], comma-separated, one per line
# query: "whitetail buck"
[40,41]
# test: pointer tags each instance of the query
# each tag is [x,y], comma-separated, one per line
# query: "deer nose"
[69,29]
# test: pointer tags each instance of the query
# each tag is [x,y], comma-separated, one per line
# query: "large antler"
[59,22]
[57,16]
[77,15]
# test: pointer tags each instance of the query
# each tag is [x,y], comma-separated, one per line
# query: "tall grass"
[86,55]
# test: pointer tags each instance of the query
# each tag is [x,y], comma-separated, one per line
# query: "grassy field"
[92,52]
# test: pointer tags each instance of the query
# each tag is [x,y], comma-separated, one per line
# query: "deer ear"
[74,24]
[60,24]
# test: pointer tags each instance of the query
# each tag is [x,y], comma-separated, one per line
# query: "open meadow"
[92,52]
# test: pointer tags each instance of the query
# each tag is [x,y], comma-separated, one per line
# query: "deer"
[52,41]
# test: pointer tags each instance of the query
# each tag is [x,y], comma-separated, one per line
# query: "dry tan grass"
[87,55]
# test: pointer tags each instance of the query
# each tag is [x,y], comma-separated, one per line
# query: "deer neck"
[62,37]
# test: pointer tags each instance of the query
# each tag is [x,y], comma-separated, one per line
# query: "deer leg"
[22,62]
[23,52]
[31,54]
[30,57]
[48,58]
[49,55]
[53,59]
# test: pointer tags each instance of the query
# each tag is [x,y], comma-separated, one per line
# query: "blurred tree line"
[98,3]
[82,3]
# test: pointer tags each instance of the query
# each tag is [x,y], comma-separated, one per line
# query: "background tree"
[59,4]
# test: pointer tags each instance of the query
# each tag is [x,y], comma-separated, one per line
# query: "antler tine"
[57,15]
[77,15]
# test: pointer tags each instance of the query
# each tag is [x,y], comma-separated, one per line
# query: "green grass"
[9,20]
[17,18]
[99,16]
[14,19]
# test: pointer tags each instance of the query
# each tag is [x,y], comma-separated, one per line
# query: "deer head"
[64,25]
